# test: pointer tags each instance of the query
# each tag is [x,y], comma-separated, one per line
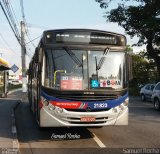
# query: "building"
[15,75]
[4,67]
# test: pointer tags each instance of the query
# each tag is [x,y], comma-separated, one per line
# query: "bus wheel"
[156,104]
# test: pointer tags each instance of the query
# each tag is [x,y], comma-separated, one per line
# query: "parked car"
[146,92]
[156,96]
[14,82]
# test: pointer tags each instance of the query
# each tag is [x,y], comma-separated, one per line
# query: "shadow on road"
[28,129]
[143,110]
[6,107]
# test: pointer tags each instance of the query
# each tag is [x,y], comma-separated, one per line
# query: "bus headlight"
[114,110]
[44,102]
[126,102]
[51,107]
[121,107]
[59,110]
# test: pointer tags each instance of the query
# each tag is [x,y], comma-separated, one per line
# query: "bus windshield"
[77,69]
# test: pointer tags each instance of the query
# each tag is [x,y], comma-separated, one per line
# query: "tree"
[143,70]
[139,20]
[129,49]
[142,67]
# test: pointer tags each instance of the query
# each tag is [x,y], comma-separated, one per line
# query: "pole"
[23,52]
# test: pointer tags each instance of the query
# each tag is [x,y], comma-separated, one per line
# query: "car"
[146,92]
[156,96]
[14,82]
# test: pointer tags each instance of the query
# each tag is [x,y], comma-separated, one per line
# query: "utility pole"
[23,53]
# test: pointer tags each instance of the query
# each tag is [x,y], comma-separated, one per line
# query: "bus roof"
[83,36]
[82,30]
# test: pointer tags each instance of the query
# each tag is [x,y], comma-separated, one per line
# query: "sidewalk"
[8,133]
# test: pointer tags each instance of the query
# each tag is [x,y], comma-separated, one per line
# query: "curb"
[15,90]
[14,130]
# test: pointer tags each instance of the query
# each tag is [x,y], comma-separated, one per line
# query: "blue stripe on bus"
[92,104]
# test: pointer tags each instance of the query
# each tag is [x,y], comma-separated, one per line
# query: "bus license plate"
[88,119]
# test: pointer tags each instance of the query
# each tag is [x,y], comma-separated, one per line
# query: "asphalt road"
[142,134]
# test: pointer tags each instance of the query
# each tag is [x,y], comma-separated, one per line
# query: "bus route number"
[100,105]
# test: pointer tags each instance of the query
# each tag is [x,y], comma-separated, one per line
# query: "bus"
[79,77]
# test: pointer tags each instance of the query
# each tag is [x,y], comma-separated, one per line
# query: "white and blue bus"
[79,77]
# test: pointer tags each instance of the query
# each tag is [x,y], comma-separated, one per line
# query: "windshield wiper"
[106,51]
[73,56]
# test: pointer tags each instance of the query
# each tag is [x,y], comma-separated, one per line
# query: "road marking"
[16,144]
[98,141]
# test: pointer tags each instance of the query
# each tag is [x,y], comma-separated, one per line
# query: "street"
[78,63]
[142,132]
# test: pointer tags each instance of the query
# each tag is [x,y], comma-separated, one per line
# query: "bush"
[12,87]
[134,91]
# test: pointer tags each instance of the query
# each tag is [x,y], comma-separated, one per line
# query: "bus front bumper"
[64,118]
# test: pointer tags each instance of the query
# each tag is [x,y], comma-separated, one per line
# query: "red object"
[40,104]
[67,105]
[104,83]
[71,83]
[88,119]
[20,77]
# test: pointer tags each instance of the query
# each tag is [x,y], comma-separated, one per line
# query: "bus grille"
[83,110]
[86,97]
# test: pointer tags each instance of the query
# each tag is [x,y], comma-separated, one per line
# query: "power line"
[29,38]
[26,25]
[11,15]
[13,12]
[11,24]
[33,39]
[22,10]
[29,53]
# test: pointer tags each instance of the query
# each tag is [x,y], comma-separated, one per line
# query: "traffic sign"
[14,68]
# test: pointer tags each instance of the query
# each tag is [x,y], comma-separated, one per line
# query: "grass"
[13,87]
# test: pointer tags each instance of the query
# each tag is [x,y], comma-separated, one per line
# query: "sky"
[52,14]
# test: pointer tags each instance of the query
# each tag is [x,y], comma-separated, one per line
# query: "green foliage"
[140,69]
[129,49]
[134,90]
[103,4]
[143,72]
[12,87]
[139,20]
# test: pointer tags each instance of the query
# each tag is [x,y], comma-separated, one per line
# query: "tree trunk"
[154,56]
